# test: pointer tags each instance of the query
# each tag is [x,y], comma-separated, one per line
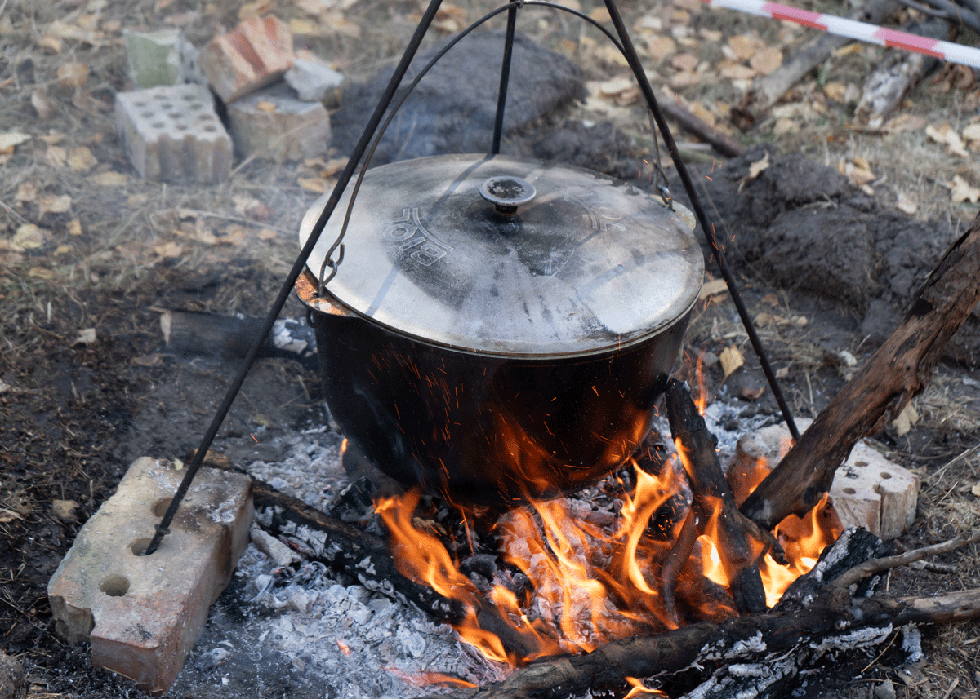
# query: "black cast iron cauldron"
[499,328]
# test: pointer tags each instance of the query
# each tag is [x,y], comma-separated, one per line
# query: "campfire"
[639,553]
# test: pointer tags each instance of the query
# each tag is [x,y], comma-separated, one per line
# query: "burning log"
[756,655]
[879,392]
[713,498]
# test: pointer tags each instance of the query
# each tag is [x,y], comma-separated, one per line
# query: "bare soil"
[73,415]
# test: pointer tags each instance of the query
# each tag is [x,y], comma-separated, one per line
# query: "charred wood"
[689,122]
[899,370]
[196,334]
[712,497]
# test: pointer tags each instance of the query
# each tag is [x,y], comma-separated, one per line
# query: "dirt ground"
[75,409]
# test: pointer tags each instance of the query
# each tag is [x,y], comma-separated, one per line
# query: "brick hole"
[147,115]
[210,128]
[157,124]
[181,127]
[189,97]
[115,585]
[140,545]
[885,475]
[159,97]
[160,507]
[139,103]
[175,115]
[849,491]
[860,464]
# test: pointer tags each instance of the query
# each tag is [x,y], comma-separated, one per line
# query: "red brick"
[255,53]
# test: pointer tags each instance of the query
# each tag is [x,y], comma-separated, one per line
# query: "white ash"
[912,642]
[356,643]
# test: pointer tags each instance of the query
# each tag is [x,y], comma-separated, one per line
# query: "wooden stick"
[759,641]
[879,391]
[712,496]
[689,122]
[769,89]
[879,565]
[897,75]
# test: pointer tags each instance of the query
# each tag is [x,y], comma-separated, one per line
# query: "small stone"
[12,676]
[885,690]
[314,81]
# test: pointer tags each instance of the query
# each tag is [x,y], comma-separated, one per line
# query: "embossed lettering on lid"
[584,264]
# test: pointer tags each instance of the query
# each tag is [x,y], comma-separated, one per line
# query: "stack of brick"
[274,102]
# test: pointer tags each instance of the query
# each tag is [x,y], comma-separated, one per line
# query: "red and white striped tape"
[947,50]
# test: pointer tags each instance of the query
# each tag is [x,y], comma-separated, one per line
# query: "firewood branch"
[879,565]
[766,642]
[899,370]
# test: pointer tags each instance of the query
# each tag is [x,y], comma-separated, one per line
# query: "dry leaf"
[960,190]
[686,79]
[29,236]
[945,134]
[907,204]
[731,359]
[110,178]
[42,105]
[72,74]
[265,106]
[711,35]
[56,156]
[81,159]
[713,287]
[659,47]
[26,192]
[836,91]
[905,122]
[684,61]
[857,171]
[744,47]
[767,60]
[85,337]
[305,27]
[600,14]
[905,420]
[976,490]
[738,72]
[7,516]
[702,113]
[339,24]
[12,139]
[314,184]
[168,250]
[40,273]
[54,205]
[758,166]
[74,227]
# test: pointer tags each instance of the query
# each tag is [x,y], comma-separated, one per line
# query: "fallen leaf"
[85,337]
[905,420]
[64,509]
[314,184]
[738,72]
[767,60]
[305,27]
[686,79]
[12,139]
[960,190]
[836,91]
[265,106]
[153,359]
[744,47]
[904,123]
[752,392]
[56,156]
[81,159]
[972,132]
[339,24]
[615,85]
[684,61]
[7,516]
[906,203]
[782,372]
[26,192]
[50,42]
[42,105]
[976,490]
[944,133]
[758,166]
[54,204]
[713,287]
[72,75]
[731,359]
[267,234]
[74,227]
[857,171]
[63,250]
[659,47]
[711,35]
[29,236]
[110,178]
[600,14]
[168,250]
[702,113]
[40,273]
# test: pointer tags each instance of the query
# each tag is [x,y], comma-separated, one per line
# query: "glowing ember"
[424,679]
[585,584]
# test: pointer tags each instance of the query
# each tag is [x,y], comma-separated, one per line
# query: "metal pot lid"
[546,260]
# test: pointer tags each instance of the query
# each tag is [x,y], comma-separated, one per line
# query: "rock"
[258,51]
[274,123]
[172,134]
[314,80]
[453,108]
[12,676]
[158,58]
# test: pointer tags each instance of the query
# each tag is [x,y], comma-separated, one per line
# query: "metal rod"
[637,68]
[287,287]
[498,126]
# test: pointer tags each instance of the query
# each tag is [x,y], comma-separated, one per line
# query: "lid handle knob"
[507,193]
